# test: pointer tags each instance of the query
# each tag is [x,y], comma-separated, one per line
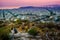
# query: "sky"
[5,4]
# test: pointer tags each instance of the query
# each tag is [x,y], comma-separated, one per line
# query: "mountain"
[53,7]
[27,7]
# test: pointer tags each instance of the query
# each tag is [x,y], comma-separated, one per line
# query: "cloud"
[11,3]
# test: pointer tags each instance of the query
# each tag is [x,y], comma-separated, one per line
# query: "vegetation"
[33,32]
[2,24]
[52,30]
[4,33]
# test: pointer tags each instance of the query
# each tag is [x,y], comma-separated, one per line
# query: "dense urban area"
[30,23]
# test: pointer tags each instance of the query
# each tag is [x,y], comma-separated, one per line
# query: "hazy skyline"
[19,3]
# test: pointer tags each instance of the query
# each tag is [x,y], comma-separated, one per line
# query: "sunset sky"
[20,3]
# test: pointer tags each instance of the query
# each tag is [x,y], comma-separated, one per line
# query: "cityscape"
[29,20]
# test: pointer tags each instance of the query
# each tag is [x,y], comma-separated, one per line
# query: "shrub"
[33,32]
[4,33]
[4,36]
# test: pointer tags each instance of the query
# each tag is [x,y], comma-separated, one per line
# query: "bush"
[1,22]
[33,32]
[4,33]
[4,36]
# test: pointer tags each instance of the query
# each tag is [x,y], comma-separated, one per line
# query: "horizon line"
[15,7]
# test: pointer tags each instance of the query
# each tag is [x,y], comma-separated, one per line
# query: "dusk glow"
[19,3]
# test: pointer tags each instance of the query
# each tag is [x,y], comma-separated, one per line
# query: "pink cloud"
[11,3]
